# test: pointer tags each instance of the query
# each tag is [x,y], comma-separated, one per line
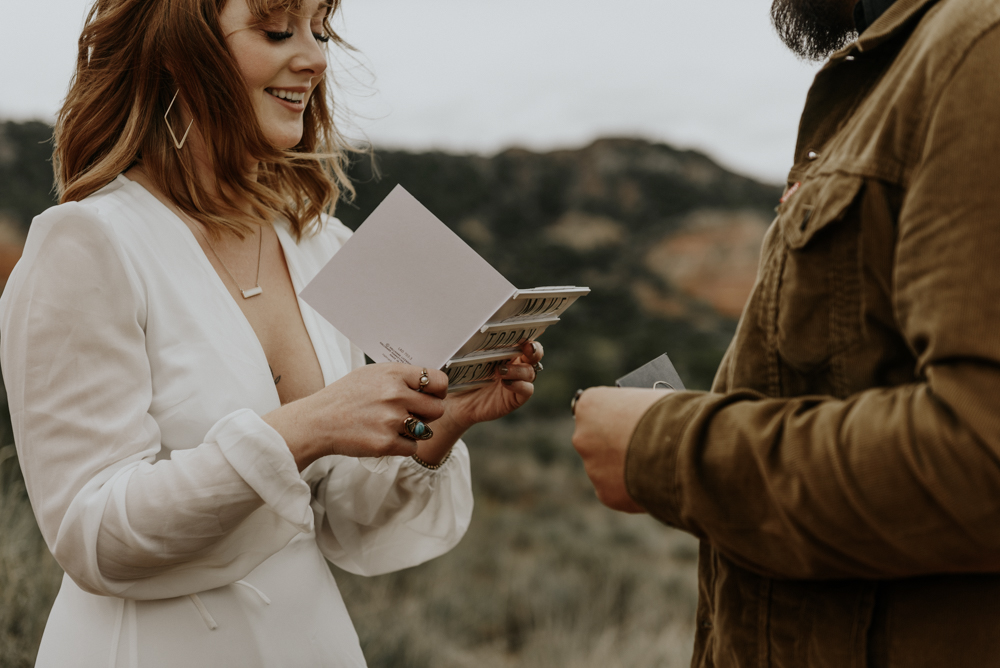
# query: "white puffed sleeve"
[78,375]
[374,516]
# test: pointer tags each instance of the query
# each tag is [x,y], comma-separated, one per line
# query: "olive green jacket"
[844,474]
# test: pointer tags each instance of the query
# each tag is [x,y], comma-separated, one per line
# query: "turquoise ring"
[416,429]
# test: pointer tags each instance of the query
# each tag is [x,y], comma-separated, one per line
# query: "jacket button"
[812,155]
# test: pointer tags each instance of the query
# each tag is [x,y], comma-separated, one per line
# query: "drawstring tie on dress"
[207,616]
[249,586]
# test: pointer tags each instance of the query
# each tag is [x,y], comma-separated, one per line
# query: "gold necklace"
[249,292]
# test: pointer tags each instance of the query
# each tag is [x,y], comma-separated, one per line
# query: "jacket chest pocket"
[813,273]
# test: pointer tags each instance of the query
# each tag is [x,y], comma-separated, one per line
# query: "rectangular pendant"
[252,292]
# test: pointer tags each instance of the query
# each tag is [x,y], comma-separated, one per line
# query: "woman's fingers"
[426,381]
[531,356]
[516,372]
[526,366]
[424,392]
[520,387]
[424,406]
[405,446]
[363,414]
[532,352]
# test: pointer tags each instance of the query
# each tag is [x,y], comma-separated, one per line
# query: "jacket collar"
[866,12]
[893,21]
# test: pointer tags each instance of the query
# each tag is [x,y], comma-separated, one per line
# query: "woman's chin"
[286,145]
[284,140]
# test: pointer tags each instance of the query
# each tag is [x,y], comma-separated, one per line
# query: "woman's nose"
[312,56]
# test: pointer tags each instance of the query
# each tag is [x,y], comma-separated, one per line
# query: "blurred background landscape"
[668,241]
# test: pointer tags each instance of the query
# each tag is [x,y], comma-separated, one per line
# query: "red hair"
[134,55]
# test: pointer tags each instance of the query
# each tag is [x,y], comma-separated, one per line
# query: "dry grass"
[545,577]
[29,576]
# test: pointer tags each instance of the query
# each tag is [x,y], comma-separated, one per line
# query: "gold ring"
[416,429]
[425,380]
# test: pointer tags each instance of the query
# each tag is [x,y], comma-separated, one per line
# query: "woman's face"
[281,61]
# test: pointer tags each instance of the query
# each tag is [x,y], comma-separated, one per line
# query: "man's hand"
[605,420]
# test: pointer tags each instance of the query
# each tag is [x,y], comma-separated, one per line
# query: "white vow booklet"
[405,288]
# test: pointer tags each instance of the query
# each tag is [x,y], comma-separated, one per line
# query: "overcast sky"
[482,75]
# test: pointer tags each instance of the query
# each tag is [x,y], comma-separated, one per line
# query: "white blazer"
[188,536]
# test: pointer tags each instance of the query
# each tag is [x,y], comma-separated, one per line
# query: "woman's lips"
[293,100]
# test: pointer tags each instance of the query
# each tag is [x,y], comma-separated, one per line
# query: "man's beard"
[813,29]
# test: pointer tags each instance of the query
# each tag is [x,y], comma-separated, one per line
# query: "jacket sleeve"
[891,482]
[79,385]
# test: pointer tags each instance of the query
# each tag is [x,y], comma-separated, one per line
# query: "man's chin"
[812,29]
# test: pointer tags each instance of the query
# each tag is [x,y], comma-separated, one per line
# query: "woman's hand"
[508,392]
[362,414]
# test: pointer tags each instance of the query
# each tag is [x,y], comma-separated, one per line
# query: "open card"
[405,288]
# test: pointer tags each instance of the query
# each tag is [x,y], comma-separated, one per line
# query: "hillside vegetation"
[661,236]
[667,240]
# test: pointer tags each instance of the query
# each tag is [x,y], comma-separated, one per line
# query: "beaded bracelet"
[432,467]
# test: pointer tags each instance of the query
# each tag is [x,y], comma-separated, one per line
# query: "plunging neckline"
[242,323]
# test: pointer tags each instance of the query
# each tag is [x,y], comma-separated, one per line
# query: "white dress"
[188,536]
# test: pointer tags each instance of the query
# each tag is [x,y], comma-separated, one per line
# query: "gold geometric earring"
[178,144]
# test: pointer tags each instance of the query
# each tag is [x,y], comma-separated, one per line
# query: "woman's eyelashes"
[281,36]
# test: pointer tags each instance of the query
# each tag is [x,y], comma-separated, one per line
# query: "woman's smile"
[287,95]
[294,100]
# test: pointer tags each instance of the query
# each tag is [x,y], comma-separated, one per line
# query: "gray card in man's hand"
[659,374]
